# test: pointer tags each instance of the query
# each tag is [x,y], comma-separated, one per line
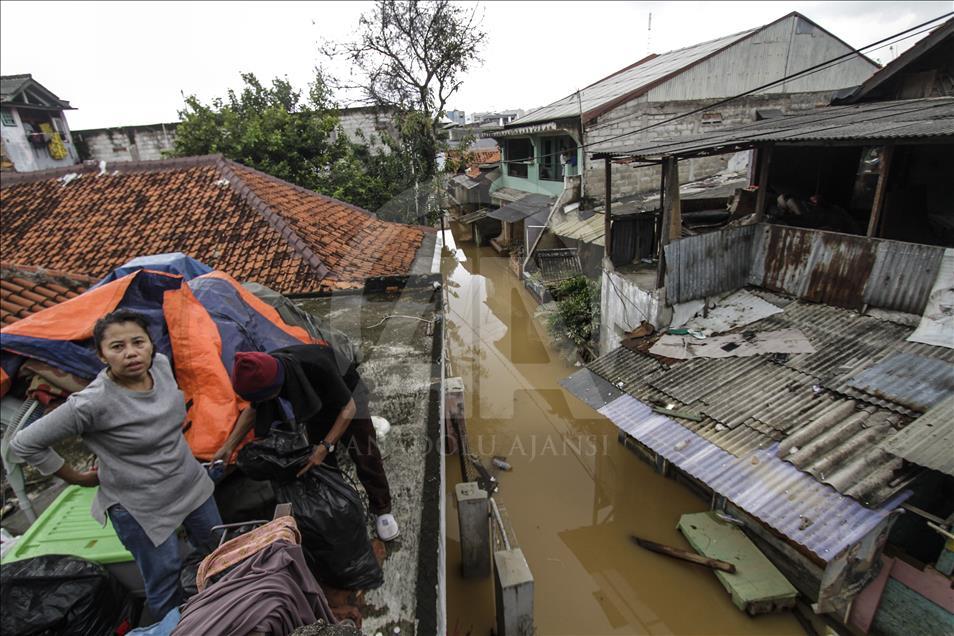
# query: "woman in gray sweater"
[131,417]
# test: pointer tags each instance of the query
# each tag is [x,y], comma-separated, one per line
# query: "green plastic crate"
[67,527]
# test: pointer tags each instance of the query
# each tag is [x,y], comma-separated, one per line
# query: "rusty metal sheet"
[822,267]
[708,264]
[902,276]
[780,259]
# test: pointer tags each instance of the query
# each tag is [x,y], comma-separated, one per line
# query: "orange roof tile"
[233,218]
[26,290]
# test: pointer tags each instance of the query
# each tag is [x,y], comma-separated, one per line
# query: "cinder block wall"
[639,113]
[132,143]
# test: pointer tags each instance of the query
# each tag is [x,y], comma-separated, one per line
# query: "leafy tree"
[578,313]
[275,130]
[411,55]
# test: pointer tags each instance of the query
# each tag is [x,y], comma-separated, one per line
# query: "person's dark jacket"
[315,388]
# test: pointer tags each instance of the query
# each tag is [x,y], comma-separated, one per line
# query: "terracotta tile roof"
[26,290]
[233,218]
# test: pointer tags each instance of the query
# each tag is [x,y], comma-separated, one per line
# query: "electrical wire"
[822,66]
[888,41]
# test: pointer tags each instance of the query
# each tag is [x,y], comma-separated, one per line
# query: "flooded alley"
[574,494]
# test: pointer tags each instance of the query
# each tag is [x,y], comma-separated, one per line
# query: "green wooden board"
[757,586]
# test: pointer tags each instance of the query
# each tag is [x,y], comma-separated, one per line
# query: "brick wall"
[130,143]
[639,113]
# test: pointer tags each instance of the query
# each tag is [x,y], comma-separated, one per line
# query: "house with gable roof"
[541,151]
[34,129]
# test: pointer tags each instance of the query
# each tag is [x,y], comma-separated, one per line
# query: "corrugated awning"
[522,130]
[868,124]
[473,217]
[522,208]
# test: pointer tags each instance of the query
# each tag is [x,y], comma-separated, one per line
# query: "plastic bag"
[331,519]
[277,457]
[64,595]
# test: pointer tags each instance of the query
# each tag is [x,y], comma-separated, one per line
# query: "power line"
[907,33]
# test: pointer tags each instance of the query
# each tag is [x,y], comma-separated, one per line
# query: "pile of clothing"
[256,583]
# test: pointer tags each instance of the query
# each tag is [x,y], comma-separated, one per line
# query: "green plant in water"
[578,313]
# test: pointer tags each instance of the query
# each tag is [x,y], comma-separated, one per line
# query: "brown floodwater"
[574,495]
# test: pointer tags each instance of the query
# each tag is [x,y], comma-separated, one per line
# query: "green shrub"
[577,315]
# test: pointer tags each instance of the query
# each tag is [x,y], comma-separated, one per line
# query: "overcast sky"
[122,63]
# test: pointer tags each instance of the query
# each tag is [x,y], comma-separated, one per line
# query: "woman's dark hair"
[117,317]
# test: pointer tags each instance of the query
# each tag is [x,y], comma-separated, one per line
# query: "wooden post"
[672,213]
[608,212]
[765,161]
[887,152]
[673,204]
[662,233]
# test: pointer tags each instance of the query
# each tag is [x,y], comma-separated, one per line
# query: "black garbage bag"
[62,595]
[240,498]
[334,535]
[277,457]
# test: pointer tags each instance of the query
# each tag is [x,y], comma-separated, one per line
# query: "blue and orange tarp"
[198,321]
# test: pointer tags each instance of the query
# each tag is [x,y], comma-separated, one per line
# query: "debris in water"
[501,463]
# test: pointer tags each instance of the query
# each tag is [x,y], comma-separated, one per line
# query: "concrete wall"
[367,125]
[641,112]
[623,305]
[128,143]
[29,158]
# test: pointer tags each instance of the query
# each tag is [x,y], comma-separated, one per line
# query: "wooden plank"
[684,555]
[662,230]
[904,611]
[761,197]
[608,216]
[757,586]
[887,152]
[673,203]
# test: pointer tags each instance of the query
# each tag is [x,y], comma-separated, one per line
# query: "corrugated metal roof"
[522,208]
[571,226]
[591,388]
[626,369]
[747,403]
[557,264]
[473,217]
[792,502]
[465,182]
[522,130]
[508,194]
[930,117]
[917,382]
[847,343]
[780,398]
[631,79]
[634,372]
[928,441]
[840,448]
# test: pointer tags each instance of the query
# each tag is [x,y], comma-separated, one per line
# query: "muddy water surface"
[574,494]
